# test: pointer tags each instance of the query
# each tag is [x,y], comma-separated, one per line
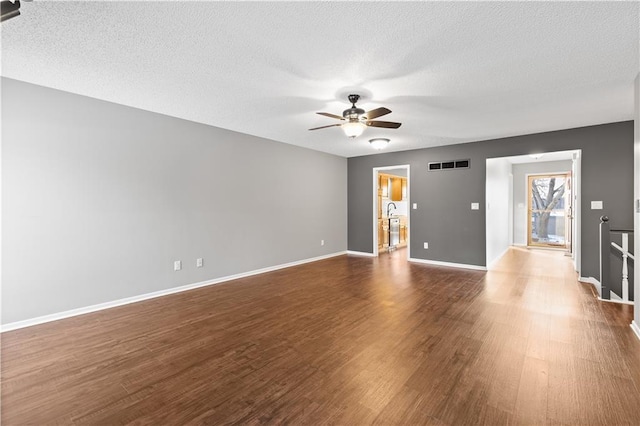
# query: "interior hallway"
[348,340]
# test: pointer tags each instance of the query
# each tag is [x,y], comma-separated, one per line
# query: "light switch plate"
[596,205]
[415,206]
[475,206]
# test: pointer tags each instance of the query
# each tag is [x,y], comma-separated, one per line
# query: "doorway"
[508,197]
[391,209]
[549,210]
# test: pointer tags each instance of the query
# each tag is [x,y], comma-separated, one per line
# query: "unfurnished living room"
[309,213]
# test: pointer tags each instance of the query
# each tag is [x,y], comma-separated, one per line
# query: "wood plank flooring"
[348,340]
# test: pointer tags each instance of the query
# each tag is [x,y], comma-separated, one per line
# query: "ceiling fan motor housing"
[353,113]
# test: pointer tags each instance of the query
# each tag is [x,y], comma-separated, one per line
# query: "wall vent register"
[450,165]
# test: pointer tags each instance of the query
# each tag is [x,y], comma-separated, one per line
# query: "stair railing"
[605,249]
[625,268]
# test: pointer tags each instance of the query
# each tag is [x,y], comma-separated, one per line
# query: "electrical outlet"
[321,242]
[426,245]
[199,262]
[177,265]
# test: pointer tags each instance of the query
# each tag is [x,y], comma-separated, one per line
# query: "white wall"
[497,208]
[520,195]
[99,200]
[400,210]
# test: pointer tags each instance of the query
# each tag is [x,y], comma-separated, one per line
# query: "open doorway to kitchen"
[391,210]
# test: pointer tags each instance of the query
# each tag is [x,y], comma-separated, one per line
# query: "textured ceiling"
[451,72]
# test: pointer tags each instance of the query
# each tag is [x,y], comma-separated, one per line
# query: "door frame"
[576,182]
[568,179]
[375,205]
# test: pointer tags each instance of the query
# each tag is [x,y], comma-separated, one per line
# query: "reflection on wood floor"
[348,340]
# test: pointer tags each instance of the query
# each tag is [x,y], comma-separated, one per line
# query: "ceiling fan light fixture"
[378,143]
[353,129]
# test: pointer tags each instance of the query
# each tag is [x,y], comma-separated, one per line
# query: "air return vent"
[450,165]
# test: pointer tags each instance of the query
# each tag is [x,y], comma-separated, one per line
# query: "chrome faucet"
[389,208]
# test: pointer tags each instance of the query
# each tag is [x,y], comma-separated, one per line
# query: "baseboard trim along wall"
[360,253]
[622,302]
[450,264]
[593,282]
[635,328]
[614,297]
[617,299]
[494,261]
[107,305]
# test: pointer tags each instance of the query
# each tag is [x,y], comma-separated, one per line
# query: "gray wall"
[99,200]
[498,196]
[520,195]
[636,179]
[455,232]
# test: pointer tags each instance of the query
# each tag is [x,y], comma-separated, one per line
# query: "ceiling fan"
[356,119]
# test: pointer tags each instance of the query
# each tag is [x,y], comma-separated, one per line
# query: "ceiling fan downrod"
[353,113]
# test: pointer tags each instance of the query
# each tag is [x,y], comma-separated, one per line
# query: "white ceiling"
[451,72]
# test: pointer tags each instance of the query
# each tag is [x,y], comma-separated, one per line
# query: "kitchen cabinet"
[383,185]
[392,187]
[404,231]
[396,189]
[383,233]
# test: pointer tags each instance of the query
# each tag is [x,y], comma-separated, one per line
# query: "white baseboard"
[494,261]
[635,328]
[623,302]
[614,297]
[592,281]
[450,264]
[360,253]
[101,306]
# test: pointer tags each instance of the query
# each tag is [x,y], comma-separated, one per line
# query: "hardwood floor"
[348,340]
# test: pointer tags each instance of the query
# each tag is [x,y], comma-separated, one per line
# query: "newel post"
[605,244]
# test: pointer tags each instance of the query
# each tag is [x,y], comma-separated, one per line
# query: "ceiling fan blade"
[385,124]
[375,113]
[326,114]
[324,127]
